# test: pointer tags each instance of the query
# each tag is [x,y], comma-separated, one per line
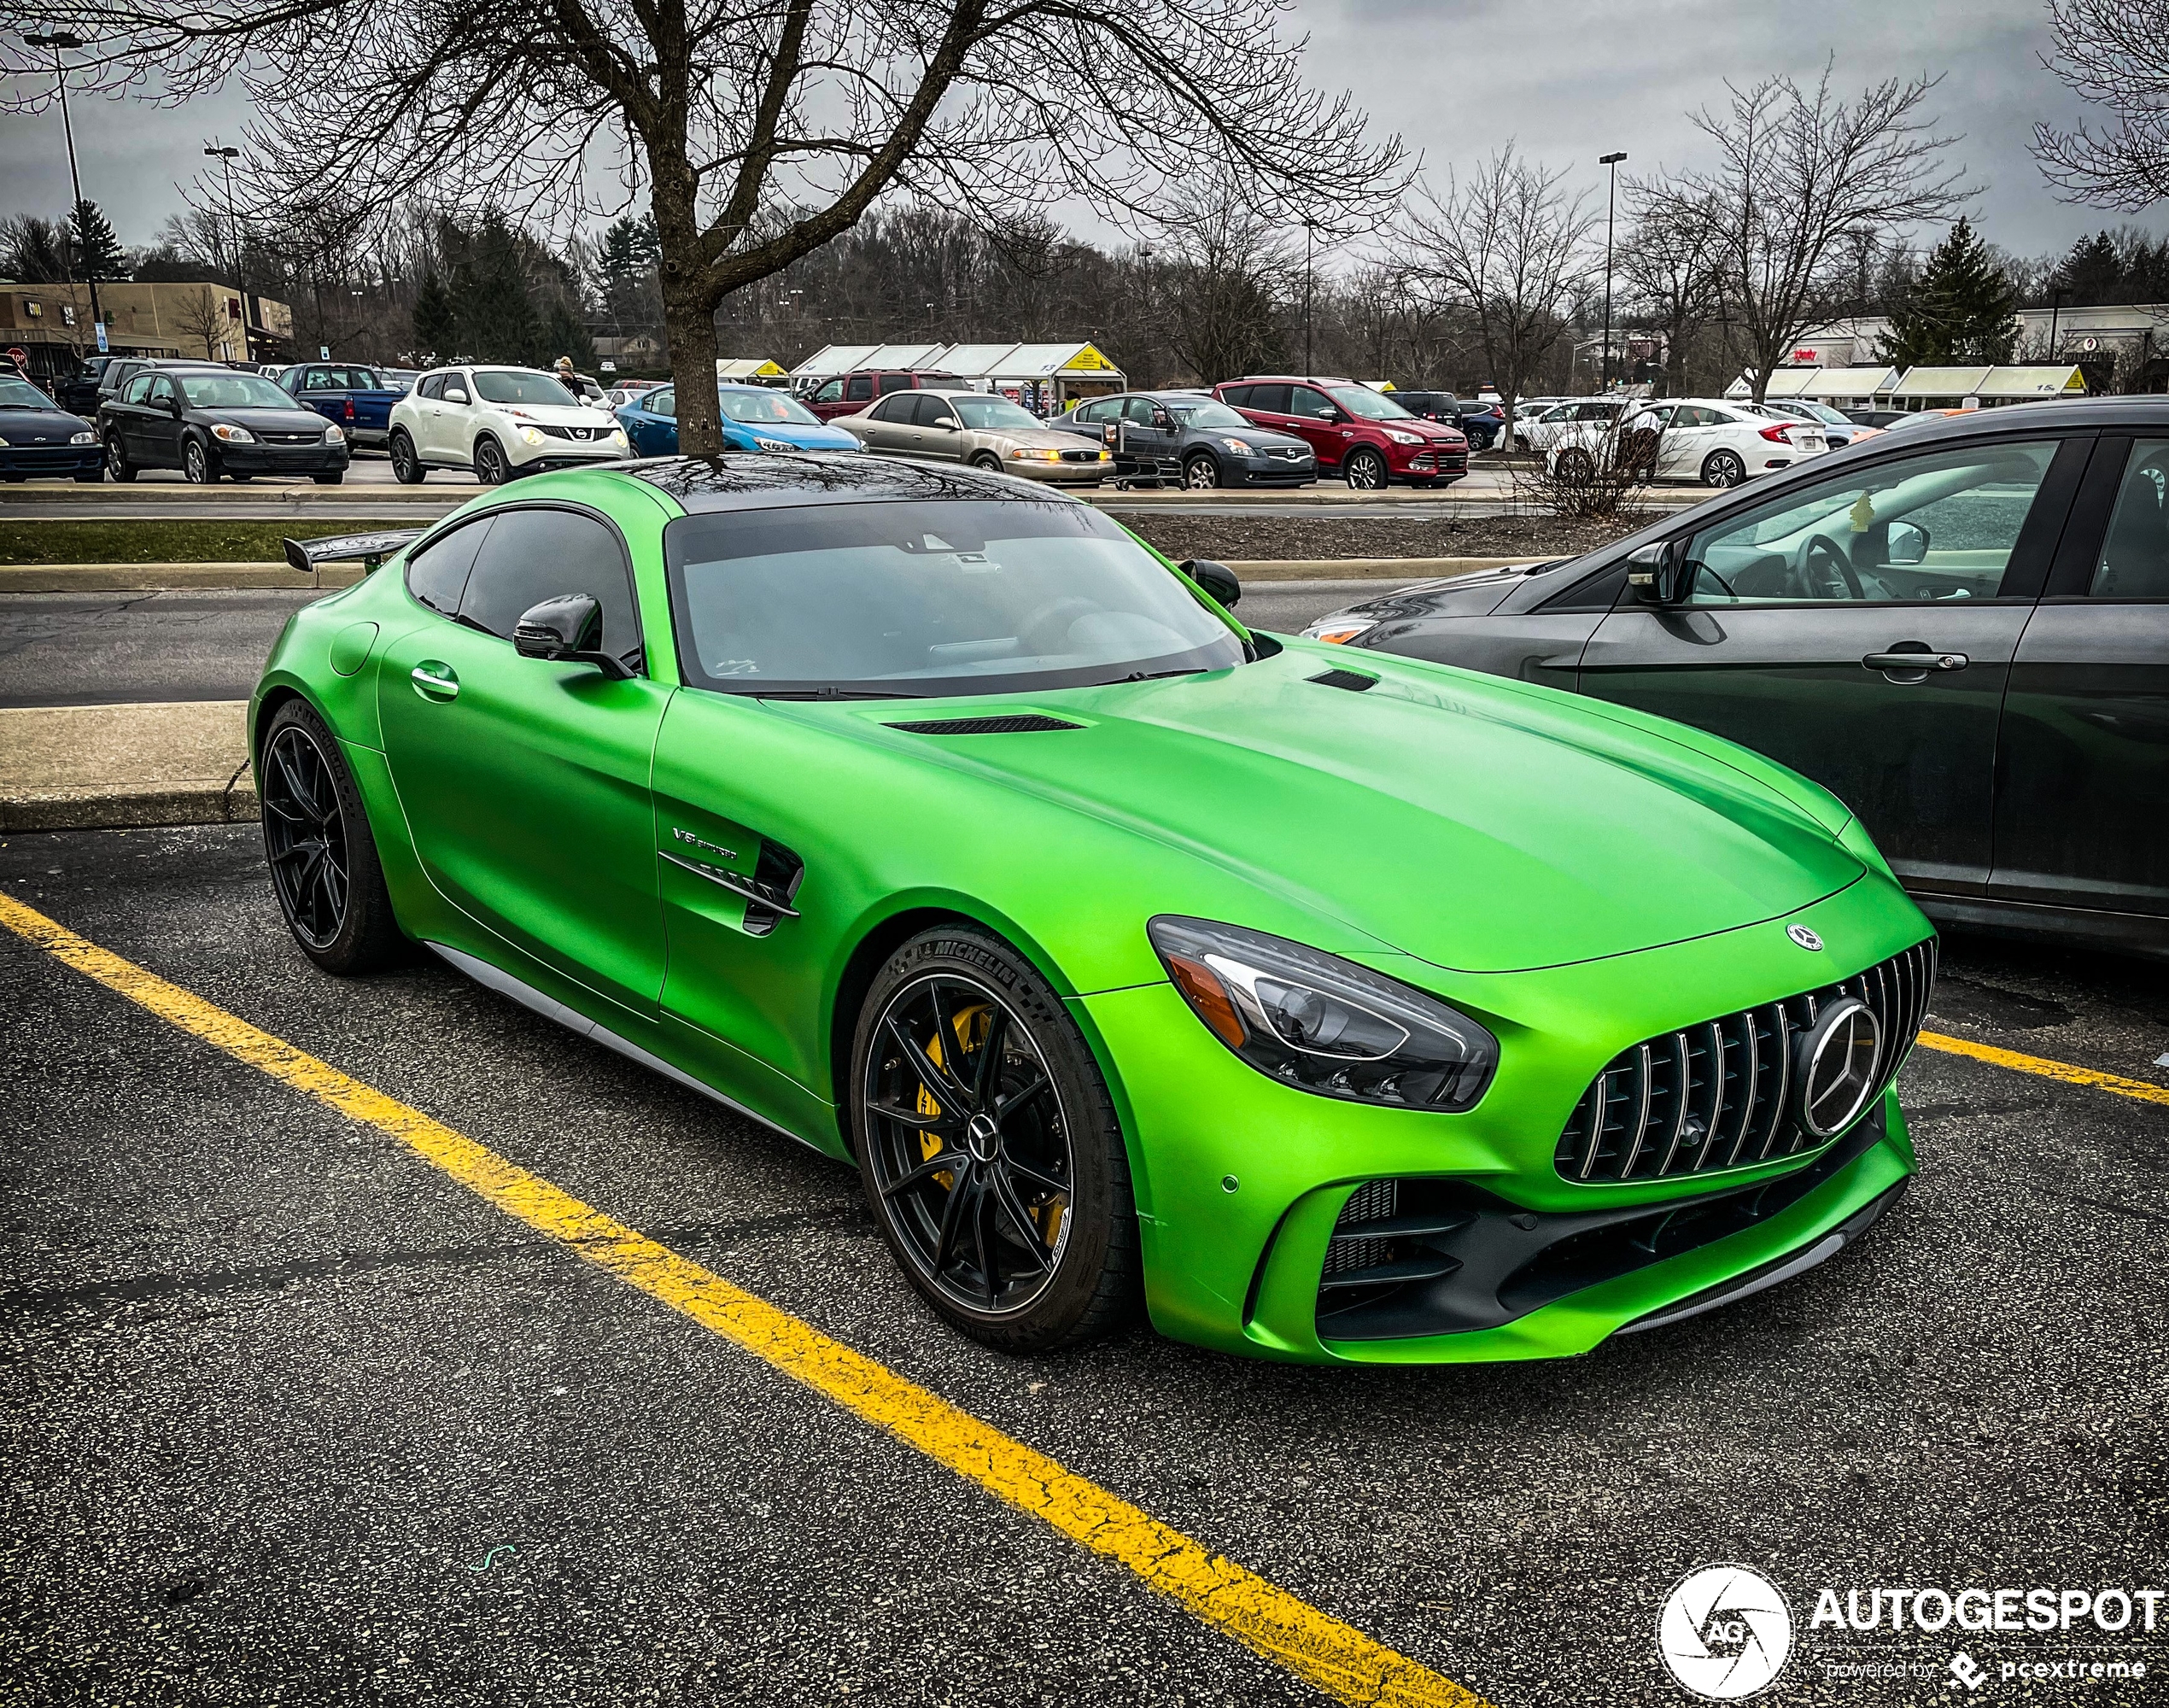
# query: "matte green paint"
[1577,876]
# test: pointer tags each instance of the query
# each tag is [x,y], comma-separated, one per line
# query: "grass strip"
[184,541]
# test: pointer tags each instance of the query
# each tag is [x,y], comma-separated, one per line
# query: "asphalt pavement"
[288,1415]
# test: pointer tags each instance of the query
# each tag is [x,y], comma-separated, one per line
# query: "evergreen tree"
[436,321]
[1958,310]
[99,253]
[496,316]
[564,334]
[2092,273]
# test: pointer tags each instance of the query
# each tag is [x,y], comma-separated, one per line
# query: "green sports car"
[1343,1011]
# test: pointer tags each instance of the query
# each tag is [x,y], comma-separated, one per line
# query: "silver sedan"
[971,427]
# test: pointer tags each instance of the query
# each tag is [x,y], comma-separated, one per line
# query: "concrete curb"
[111,767]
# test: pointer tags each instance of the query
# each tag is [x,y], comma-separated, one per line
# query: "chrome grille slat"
[1714,1095]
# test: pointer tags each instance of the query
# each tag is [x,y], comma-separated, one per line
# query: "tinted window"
[532,555]
[1269,400]
[138,388]
[437,574]
[932,409]
[858,387]
[1237,396]
[896,383]
[899,408]
[1312,405]
[954,382]
[1940,526]
[2135,555]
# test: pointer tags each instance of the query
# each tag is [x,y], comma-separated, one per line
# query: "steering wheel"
[1826,572]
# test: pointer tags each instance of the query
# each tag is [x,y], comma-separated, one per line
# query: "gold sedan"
[984,432]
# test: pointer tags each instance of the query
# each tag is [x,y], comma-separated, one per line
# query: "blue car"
[756,417]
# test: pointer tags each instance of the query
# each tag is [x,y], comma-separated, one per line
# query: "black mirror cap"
[568,631]
[1661,575]
[1217,579]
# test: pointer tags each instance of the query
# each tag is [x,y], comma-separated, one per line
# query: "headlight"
[334,434]
[1401,438]
[83,439]
[1239,447]
[1338,631]
[1033,454]
[1324,1025]
[532,435]
[232,436]
[616,436]
[774,444]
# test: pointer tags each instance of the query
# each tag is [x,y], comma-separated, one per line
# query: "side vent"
[1353,681]
[1023,724]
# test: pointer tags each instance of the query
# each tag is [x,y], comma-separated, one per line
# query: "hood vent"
[1021,723]
[1353,681]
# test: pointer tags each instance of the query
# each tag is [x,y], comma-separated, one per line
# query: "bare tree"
[758,130]
[1231,269]
[1799,173]
[201,315]
[2115,54]
[1509,245]
[1670,265]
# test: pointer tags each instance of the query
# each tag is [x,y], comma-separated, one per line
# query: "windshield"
[994,415]
[1823,412]
[1206,414]
[755,407]
[231,391]
[522,385]
[17,394]
[1371,405]
[925,599]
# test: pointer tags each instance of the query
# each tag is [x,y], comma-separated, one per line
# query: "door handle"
[434,681]
[1916,662]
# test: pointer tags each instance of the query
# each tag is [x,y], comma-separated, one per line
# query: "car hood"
[29,426]
[1480,825]
[1263,438]
[295,419]
[1026,438]
[556,415]
[824,437]
[1471,595]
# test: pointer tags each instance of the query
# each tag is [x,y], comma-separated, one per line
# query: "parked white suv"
[1707,439]
[500,422]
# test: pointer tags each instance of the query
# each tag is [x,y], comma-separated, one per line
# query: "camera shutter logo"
[1725,1632]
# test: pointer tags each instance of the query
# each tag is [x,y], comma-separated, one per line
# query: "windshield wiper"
[1153,675]
[826,694]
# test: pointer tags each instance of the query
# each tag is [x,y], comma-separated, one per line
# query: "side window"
[161,389]
[138,388]
[664,402]
[892,408]
[1310,405]
[895,381]
[430,385]
[437,575]
[1925,529]
[830,393]
[1268,400]
[532,555]
[1660,417]
[317,379]
[933,410]
[2135,553]
[858,388]
[1096,412]
[1138,411]
[1238,396]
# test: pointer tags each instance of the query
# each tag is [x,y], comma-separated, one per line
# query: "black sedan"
[40,437]
[1961,630]
[208,422]
[1190,439]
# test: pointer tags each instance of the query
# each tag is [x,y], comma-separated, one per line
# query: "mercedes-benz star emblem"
[1801,935]
[1837,1075]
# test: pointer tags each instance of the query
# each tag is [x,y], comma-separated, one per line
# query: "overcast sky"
[1568,80]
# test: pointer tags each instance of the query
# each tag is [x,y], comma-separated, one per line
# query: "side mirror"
[1662,574]
[1163,421]
[947,424]
[454,394]
[1908,545]
[567,630]
[1217,579]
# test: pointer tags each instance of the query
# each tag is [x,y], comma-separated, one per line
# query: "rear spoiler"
[368,549]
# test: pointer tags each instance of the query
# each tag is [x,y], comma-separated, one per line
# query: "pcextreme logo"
[1725,1631]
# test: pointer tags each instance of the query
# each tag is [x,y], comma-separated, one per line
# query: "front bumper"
[1060,474]
[63,461]
[259,458]
[563,454]
[1423,462]
[1241,1182]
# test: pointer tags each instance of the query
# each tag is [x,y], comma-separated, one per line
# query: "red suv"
[848,394]
[1364,434]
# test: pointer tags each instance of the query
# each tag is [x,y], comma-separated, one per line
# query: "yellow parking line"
[1336,1658]
[2046,1068]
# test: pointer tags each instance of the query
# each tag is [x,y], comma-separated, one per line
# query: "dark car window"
[663,401]
[1104,410]
[896,407]
[858,387]
[532,555]
[933,410]
[138,390]
[430,385]
[2135,554]
[1267,399]
[1929,528]
[1238,396]
[895,382]
[1138,411]
[953,382]
[437,575]
[1311,404]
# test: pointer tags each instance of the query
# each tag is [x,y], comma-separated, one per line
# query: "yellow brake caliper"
[971,1025]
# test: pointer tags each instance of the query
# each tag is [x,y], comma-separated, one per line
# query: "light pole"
[2055,310]
[1611,201]
[57,39]
[233,218]
[1310,227]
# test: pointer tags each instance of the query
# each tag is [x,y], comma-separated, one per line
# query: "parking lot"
[295,1413]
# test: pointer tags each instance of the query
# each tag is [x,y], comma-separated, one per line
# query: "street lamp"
[1611,200]
[1310,227]
[233,218]
[2055,310]
[56,40]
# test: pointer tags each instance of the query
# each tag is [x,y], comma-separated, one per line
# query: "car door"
[428,407]
[937,432]
[1794,638]
[452,427]
[161,425]
[1689,436]
[130,409]
[1149,434]
[1312,417]
[2085,769]
[652,421]
[525,782]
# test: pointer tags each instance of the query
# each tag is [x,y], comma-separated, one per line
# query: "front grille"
[1289,453]
[1021,723]
[1080,456]
[581,433]
[1718,1094]
[291,438]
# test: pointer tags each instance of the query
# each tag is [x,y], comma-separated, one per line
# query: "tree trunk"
[689,323]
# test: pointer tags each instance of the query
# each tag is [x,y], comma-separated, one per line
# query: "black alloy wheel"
[1201,473]
[1364,471]
[1723,468]
[990,1153]
[196,465]
[407,465]
[116,459]
[1575,467]
[323,859]
[490,467]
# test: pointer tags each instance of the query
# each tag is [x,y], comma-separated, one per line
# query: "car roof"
[775,480]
